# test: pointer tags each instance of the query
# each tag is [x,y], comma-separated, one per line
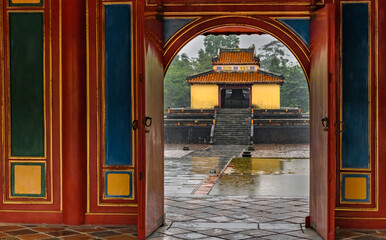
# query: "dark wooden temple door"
[322,154]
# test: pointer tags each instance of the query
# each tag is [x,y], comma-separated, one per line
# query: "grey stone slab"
[215,232]
[211,225]
[172,230]
[241,216]
[191,235]
[258,233]
[282,237]
[164,238]
[236,236]
[308,233]
[274,226]
[220,219]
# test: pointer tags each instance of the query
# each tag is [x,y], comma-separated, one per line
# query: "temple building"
[236,81]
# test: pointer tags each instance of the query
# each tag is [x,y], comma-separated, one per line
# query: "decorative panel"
[25,2]
[301,26]
[355,187]
[28,179]
[26,84]
[119,184]
[355,85]
[111,102]
[31,112]
[118,78]
[173,25]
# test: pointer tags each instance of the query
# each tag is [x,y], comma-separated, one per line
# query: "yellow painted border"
[232,4]
[88,102]
[278,13]
[112,214]
[376,106]
[60,106]
[29,211]
[2,72]
[24,7]
[361,218]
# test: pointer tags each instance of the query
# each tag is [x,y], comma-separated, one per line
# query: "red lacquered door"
[322,113]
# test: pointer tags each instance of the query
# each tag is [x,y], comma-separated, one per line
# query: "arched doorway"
[317,66]
[273,27]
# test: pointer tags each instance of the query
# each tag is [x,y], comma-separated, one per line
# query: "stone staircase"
[233,126]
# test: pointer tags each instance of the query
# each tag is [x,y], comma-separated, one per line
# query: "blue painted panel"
[118,136]
[344,176]
[355,79]
[172,25]
[300,26]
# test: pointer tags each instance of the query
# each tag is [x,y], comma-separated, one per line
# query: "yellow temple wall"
[203,96]
[266,96]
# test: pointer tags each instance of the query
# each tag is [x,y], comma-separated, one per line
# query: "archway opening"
[205,163]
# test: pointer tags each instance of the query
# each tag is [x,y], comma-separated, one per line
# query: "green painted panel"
[26,84]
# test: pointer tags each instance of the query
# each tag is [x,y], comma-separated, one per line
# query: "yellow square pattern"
[355,188]
[118,184]
[28,179]
[25,1]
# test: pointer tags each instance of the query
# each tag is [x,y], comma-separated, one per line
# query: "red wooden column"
[74,111]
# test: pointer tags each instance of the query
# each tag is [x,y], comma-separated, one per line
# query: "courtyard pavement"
[194,211]
[195,216]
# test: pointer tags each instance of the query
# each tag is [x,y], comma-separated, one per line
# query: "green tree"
[203,62]
[177,91]
[294,91]
[213,43]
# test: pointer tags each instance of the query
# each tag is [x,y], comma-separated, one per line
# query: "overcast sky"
[191,49]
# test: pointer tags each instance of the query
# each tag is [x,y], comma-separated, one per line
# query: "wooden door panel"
[151,209]
[322,44]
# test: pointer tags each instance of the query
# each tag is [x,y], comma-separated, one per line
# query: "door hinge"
[330,77]
[140,176]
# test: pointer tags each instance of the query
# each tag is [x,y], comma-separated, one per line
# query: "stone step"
[233,126]
[233,123]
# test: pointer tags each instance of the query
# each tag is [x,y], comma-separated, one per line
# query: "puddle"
[203,165]
[267,166]
[264,176]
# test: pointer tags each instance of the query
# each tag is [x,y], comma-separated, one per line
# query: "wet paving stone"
[236,236]
[192,235]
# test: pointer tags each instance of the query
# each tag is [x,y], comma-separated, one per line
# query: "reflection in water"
[260,176]
[267,166]
[203,165]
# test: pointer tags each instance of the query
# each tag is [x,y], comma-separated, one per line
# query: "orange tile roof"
[235,78]
[236,56]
